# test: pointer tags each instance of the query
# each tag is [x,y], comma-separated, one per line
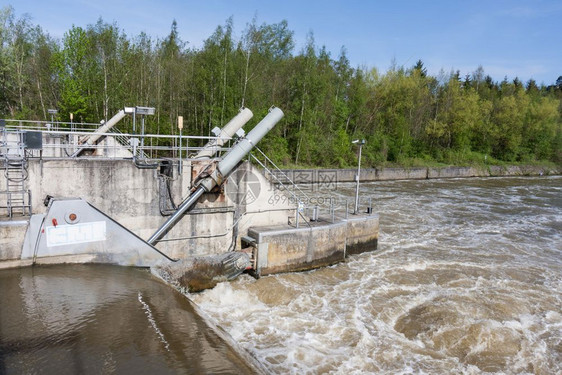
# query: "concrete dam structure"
[87,193]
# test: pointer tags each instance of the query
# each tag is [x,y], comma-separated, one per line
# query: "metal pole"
[135,122]
[357,177]
[134,132]
[226,134]
[142,135]
[180,154]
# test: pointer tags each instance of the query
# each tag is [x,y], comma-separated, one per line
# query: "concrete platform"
[285,248]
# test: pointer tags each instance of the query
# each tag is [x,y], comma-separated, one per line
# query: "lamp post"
[143,111]
[360,143]
[53,113]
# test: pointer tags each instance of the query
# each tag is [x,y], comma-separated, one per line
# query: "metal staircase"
[280,180]
[17,197]
[125,141]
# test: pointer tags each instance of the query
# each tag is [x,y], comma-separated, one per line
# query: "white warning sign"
[77,233]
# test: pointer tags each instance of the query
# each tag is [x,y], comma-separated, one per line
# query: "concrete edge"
[362,218]
[16,263]
[302,228]
[331,176]
[245,355]
[14,223]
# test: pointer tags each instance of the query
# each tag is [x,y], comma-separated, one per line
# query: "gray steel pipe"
[242,148]
[225,166]
[92,139]
[172,220]
[105,127]
[227,132]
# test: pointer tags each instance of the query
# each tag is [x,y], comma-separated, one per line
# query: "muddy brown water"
[467,279]
[79,319]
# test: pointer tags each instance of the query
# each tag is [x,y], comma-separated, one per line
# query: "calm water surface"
[467,279]
[79,319]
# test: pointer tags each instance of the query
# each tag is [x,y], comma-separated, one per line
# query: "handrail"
[68,139]
[281,172]
[297,198]
[300,203]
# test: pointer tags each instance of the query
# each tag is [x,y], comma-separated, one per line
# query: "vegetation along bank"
[407,116]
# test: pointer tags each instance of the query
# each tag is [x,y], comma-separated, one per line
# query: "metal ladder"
[18,199]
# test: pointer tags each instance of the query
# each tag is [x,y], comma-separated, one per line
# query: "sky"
[507,38]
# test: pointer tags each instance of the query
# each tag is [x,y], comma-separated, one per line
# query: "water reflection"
[103,319]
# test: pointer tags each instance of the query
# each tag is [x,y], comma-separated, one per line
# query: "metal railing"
[63,139]
[309,209]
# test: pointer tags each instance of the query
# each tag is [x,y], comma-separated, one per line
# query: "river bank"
[303,176]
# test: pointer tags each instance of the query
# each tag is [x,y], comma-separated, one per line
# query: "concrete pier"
[322,243]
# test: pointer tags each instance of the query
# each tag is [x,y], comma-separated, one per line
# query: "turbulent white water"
[467,279]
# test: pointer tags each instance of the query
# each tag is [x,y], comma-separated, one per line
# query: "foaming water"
[467,279]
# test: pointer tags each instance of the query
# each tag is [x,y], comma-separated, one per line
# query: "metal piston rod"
[225,166]
[214,145]
[104,128]
[182,208]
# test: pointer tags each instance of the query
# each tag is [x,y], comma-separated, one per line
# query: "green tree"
[507,122]
[73,65]
[405,114]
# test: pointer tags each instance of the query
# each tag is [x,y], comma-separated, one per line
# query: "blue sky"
[508,38]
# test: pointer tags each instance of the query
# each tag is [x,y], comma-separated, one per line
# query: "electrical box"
[32,140]
[166,168]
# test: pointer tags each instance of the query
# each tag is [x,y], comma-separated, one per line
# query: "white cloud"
[538,10]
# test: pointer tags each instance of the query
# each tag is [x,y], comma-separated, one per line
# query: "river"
[467,279]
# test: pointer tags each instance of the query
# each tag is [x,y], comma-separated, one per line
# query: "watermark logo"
[243,186]
[307,180]
[312,188]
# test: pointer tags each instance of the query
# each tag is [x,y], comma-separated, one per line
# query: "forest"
[406,116]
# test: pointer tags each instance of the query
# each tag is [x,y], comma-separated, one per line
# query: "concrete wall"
[288,249]
[314,176]
[362,234]
[11,239]
[293,249]
[131,197]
